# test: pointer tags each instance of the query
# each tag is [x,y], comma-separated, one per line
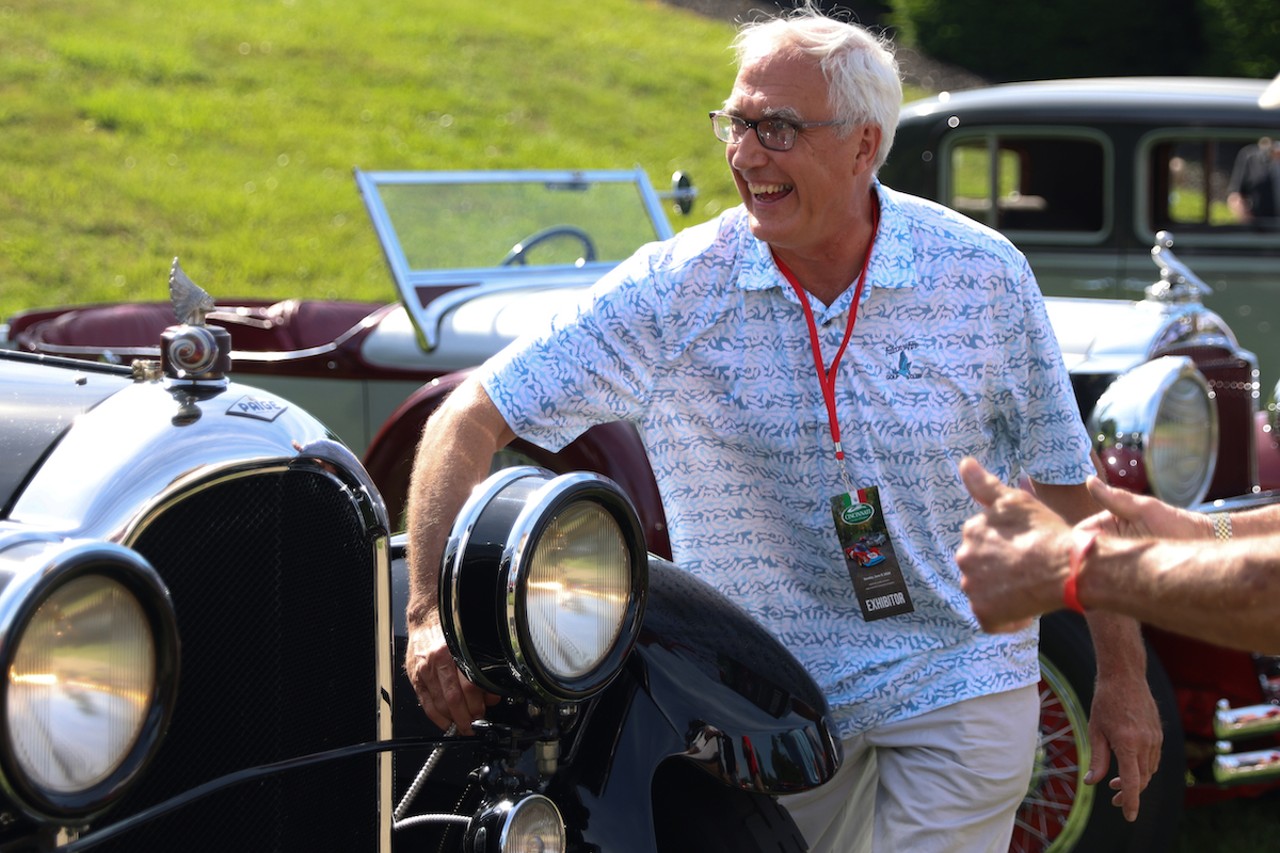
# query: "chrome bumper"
[1235,724]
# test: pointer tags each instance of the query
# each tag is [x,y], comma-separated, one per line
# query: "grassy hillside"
[132,131]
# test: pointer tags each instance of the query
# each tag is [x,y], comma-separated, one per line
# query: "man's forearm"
[1223,592]
[454,454]
[1256,522]
[1117,644]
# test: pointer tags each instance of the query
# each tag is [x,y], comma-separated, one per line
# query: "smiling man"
[806,371]
[814,205]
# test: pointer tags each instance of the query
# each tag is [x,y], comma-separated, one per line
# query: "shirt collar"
[890,259]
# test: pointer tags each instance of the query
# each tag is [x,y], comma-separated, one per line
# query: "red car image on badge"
[865,555]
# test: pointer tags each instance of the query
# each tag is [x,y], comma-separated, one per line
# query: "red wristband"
[1081,543]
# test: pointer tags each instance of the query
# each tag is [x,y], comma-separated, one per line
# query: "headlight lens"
[533,826]
[80,684]
[88,641]
[560,561]
[1183,438]
[577,590]
[1159,423]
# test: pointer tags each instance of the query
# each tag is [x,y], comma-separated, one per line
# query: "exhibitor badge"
[869,556]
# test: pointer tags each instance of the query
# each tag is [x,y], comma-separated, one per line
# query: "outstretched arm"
[1222,592]
[1016,557]
[1129,514]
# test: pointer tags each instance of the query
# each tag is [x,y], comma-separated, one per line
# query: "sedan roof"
[1106,98]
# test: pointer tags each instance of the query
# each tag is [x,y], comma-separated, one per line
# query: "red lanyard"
[827,376]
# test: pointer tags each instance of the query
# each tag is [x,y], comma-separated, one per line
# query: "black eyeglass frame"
[790,129]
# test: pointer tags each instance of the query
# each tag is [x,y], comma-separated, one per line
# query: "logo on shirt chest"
[904,368]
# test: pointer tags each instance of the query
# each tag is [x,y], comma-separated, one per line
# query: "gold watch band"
[1221,525]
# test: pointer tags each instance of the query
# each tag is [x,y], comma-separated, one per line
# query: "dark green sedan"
[1083,173]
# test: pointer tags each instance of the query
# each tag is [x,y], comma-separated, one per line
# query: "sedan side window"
[1190,185]
[1030,182]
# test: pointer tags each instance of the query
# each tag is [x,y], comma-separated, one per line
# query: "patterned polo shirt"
[702,344]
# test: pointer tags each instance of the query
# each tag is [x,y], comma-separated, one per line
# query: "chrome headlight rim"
[486,560]
[451,593]
[1125,419]
[559,494]
[19,607]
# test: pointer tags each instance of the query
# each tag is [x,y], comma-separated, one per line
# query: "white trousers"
[946,781]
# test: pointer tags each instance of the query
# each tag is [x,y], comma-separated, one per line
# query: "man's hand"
[443,691]
[1139,516]
[1124,718]
[1015,554]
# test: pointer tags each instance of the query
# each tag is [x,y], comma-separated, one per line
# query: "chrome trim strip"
[1242,502]
[384,627]
[1245,722]
[1246,768]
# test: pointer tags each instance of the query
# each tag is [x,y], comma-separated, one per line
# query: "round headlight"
[89,645]
[576,590]
[543,583]
[1162,417]
[80,684]
[529,824]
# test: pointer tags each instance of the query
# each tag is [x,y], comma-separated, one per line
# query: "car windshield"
[453,237]
[453,221]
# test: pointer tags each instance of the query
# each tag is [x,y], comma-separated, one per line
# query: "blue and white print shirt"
[702,344]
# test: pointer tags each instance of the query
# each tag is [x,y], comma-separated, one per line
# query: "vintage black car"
[1083,173]
[201,621]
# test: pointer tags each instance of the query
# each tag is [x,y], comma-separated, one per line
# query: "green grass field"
[133,131]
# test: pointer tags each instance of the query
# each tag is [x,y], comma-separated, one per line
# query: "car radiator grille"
[272,577]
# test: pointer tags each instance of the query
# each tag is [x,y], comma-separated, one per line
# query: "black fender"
[707,696]
[750,714]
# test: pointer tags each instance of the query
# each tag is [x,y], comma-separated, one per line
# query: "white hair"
[858,65]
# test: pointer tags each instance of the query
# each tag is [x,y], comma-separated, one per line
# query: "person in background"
[1253,193]
[805,370]
[1213,576]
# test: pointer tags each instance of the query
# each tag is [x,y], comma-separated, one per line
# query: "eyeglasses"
[776,134]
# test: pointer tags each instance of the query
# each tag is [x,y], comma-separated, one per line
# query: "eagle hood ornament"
[193,352]
[191,304]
